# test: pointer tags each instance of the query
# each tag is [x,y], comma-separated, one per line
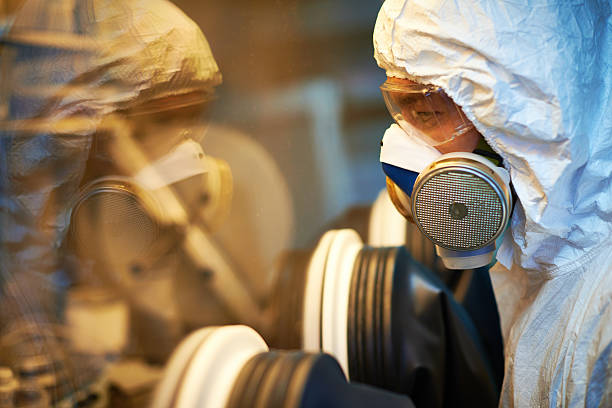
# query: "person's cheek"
[464,143]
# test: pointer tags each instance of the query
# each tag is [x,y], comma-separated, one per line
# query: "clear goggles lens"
[426,112]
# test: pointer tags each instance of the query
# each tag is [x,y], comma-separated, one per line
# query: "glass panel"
[156,168]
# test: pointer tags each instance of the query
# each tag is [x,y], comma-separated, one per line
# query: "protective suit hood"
[535,79]
[103,55]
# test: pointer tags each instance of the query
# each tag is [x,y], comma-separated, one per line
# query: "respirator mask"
[442,176]
[138,194]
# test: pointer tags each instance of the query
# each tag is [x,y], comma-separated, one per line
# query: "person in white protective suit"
[535,79]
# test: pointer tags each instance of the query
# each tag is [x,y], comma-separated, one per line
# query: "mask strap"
[494,157]
[483,149]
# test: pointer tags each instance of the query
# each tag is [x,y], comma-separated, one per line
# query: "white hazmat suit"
[535,78]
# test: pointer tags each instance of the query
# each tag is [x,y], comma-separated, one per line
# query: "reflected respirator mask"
[138,197]
[442,176]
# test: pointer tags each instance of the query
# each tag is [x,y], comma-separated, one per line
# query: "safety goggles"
[426,112]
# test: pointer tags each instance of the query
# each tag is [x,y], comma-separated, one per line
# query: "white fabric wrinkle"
[588,337]
[590,333]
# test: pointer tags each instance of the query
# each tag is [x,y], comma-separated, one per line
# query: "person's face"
[163,125]
[436,116]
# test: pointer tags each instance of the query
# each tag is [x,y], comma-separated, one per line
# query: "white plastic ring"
[336,290]
[387,227]
[173,373]
[204,368]
[311,320]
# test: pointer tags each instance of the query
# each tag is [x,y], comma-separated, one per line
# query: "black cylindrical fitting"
[405,330]
[287,303]
[407,334]
[304,380]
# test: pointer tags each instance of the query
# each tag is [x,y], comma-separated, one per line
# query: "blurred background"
[299,118]
[300,80]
